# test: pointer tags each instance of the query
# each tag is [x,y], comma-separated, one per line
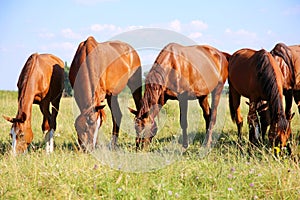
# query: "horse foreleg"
[253,122]
[216,94]
[183,105]
[288,103]
[265,119]
[49,141]
[116,118]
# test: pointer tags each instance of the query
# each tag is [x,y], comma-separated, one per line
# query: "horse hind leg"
[203,101]
[50,134]
[235,112]
[46,127]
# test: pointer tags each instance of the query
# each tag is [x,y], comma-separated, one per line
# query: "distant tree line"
[68,92]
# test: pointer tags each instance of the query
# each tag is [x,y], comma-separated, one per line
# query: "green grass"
[69,174]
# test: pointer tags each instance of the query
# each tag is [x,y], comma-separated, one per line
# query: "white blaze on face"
[96,131]
[14,139]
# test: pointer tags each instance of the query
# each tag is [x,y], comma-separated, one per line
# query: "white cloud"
[59,46]
[70,34]
[103,27]
[175,25]
[195,35]
[240,33]
[292,10]
[197,24]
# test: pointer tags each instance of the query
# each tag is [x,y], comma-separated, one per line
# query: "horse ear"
[97,108]
[133,111]
[10,119]
[145,115]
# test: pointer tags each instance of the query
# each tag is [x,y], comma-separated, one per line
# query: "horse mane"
[284,52]
[22,82]
[81,54]
[26,73]
[267,78]
[154,83]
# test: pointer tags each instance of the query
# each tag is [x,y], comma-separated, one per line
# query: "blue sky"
[58,27]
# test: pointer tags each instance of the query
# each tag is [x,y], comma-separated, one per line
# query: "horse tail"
[268,79]
[232,110]
[284,52]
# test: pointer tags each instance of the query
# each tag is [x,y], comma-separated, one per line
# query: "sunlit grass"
[69,174]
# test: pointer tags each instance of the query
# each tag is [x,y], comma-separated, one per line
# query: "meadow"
[222,173]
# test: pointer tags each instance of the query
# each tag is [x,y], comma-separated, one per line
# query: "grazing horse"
[99,71]
[41,82]
[288,59]
[182,73]
[256,76]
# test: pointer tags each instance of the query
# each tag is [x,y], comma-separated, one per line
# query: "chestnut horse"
[99,71]
[41,82]
[182,73]
[256,76]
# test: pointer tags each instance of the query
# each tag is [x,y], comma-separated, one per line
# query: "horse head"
[20,133]
[145,127]
[280,137]
[87,125]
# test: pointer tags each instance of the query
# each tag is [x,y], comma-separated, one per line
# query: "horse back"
[295,49]
[106,66]
[242,72]
[39,72]
[197,68]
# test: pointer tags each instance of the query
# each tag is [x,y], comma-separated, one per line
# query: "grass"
[69,174]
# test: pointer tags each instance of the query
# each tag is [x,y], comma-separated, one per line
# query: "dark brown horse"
[295,49]
[256,76]
[182,73]
[288,59]
[99,71]
[289,62]
[40,82]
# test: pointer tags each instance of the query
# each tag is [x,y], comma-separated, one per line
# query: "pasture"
[69,174]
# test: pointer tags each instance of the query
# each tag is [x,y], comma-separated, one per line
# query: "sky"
[57,27]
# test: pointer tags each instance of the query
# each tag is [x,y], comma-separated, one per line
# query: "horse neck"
[152,101]
[25,106]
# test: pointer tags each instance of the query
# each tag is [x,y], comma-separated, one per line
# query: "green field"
[69,174]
